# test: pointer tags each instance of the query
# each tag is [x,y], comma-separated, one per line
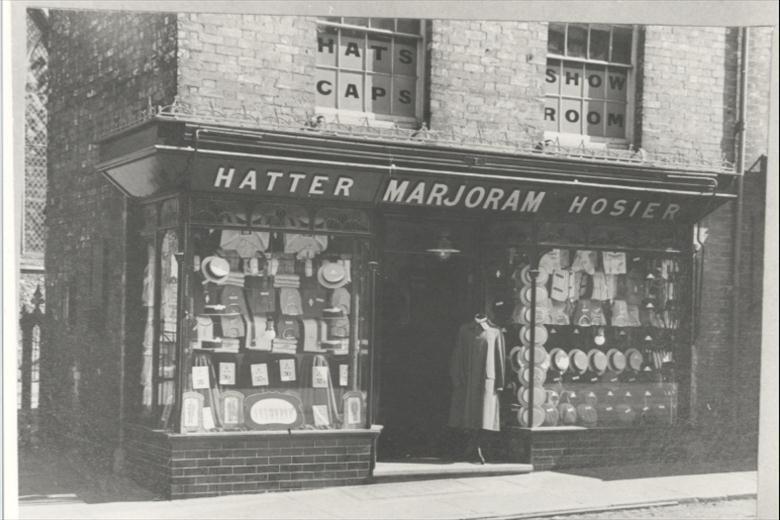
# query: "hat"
[515,359]
[634,359]
[540,316]
[567,413]
[540,395]
[539,376]
[540,335]
[552,397]
[559,359]
[587,414]
[616,360]
[541,294]
[597,361]
[578,361]
[332,275]
[288,328]
[591,399]
[340,299]
[215,269]
[551,415]
[625,414]
[538,414]
[338,327]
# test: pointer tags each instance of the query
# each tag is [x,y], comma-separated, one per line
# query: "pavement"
[53,485]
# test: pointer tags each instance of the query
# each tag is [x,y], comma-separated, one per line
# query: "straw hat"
[526,292]
[215,269]
[540,335]
[538,413]
[559,360]
[616,360]
[332,275]
[515,359]
[540,395]
[539,376]
[578,361]
[597,361]
[634,359]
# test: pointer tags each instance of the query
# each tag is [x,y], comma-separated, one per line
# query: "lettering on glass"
[283,182]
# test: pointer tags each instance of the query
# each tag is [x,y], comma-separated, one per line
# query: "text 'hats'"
[215,269]
[332,275]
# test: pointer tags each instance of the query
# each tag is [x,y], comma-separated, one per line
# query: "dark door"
[425,299]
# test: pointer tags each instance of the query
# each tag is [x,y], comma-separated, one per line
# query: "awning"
[161,158]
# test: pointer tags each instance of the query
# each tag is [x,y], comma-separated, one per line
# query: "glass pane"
[409,26]
[326,46]
[604,356]
[405,57]
[621,45]
[571,120]
[325,95]
[363,22]
[595,78]
[351,50]
[350,91]
[552,77]
[556,34]
[379,91]
[166,358]
[280,338]
[599,44]
[383,23]
[594,118]
[572,79]
[577,41]
[147,343]
[616,120]
[405,96]
[551,114]
[380,58]
[617,83]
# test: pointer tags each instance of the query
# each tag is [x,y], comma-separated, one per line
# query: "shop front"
[296,290]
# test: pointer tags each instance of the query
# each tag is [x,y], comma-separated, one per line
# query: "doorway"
[424,299]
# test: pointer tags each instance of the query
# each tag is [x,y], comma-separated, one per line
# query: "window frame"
[341,115]
[578,139]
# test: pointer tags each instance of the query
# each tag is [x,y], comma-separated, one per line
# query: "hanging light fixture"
[444,247]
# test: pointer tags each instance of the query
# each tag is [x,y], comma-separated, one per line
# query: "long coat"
[477,375]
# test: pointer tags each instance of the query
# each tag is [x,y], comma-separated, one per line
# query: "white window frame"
[382,120]
[573,139]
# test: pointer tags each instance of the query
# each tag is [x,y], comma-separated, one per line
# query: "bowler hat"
[578,361]
[616,360]
[597,361]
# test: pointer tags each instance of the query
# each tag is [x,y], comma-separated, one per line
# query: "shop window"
[606,334]
[341,220]
[215,211]
[165,357]
[588,83]
[147,341]
[281,216]
[369,69]
[279,334]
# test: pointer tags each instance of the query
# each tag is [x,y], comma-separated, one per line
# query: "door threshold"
[431,468]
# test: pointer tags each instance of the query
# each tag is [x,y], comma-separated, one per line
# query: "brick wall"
[487,79]
[689,89]
[264,63]
[105,67]
[186,466]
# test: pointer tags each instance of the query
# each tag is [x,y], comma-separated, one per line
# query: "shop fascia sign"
[338,183]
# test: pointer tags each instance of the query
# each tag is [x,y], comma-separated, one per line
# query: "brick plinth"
[186,466]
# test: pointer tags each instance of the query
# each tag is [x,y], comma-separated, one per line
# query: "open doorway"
[424,301]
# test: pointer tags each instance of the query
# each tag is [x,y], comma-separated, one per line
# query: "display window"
[277,328]
[593,333]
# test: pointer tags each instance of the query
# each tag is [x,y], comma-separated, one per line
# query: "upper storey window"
[369,68]
[589,82]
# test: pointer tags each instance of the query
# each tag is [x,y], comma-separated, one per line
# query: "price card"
[320,377]
[200,378]
[208,419]
[343,375]
[287,370]
[320,413]
[259,374]
[227,373]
